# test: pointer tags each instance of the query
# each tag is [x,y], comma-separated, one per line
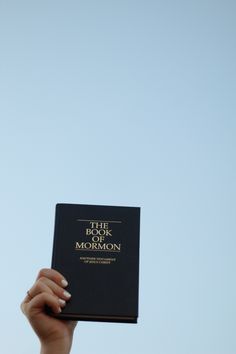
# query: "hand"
[54,334]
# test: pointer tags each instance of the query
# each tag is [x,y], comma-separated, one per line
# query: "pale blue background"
[124,103]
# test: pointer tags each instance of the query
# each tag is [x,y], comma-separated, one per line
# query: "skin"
[49,290]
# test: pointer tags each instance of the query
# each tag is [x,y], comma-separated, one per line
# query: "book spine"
[56,229]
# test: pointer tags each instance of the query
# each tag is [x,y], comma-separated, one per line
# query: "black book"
[96,248]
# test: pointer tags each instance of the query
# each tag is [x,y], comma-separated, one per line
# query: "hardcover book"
[96,248]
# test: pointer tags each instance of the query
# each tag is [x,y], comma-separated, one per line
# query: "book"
[96,248]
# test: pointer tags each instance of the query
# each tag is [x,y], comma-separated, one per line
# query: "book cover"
[96,248]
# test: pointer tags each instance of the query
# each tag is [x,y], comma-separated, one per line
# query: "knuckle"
[42,279]
[43,295]
[39,285]
[42,272]
[22,307]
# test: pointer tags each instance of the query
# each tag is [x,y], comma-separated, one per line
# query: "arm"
[49,290]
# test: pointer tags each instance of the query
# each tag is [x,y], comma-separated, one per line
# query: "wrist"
[58,347]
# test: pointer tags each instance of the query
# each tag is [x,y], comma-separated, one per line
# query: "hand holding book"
[49,291]
[96,248]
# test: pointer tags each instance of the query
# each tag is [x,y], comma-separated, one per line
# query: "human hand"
[48,290]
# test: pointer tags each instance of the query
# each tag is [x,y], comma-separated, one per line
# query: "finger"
[35,290]
[54,275]
[38,303]
[39,287]
[56,289]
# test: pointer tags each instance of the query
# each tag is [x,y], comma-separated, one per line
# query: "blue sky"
[124,103]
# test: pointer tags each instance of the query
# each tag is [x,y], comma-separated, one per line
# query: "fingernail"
[62,302]
[64,283]
[66,294]
[59,310]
